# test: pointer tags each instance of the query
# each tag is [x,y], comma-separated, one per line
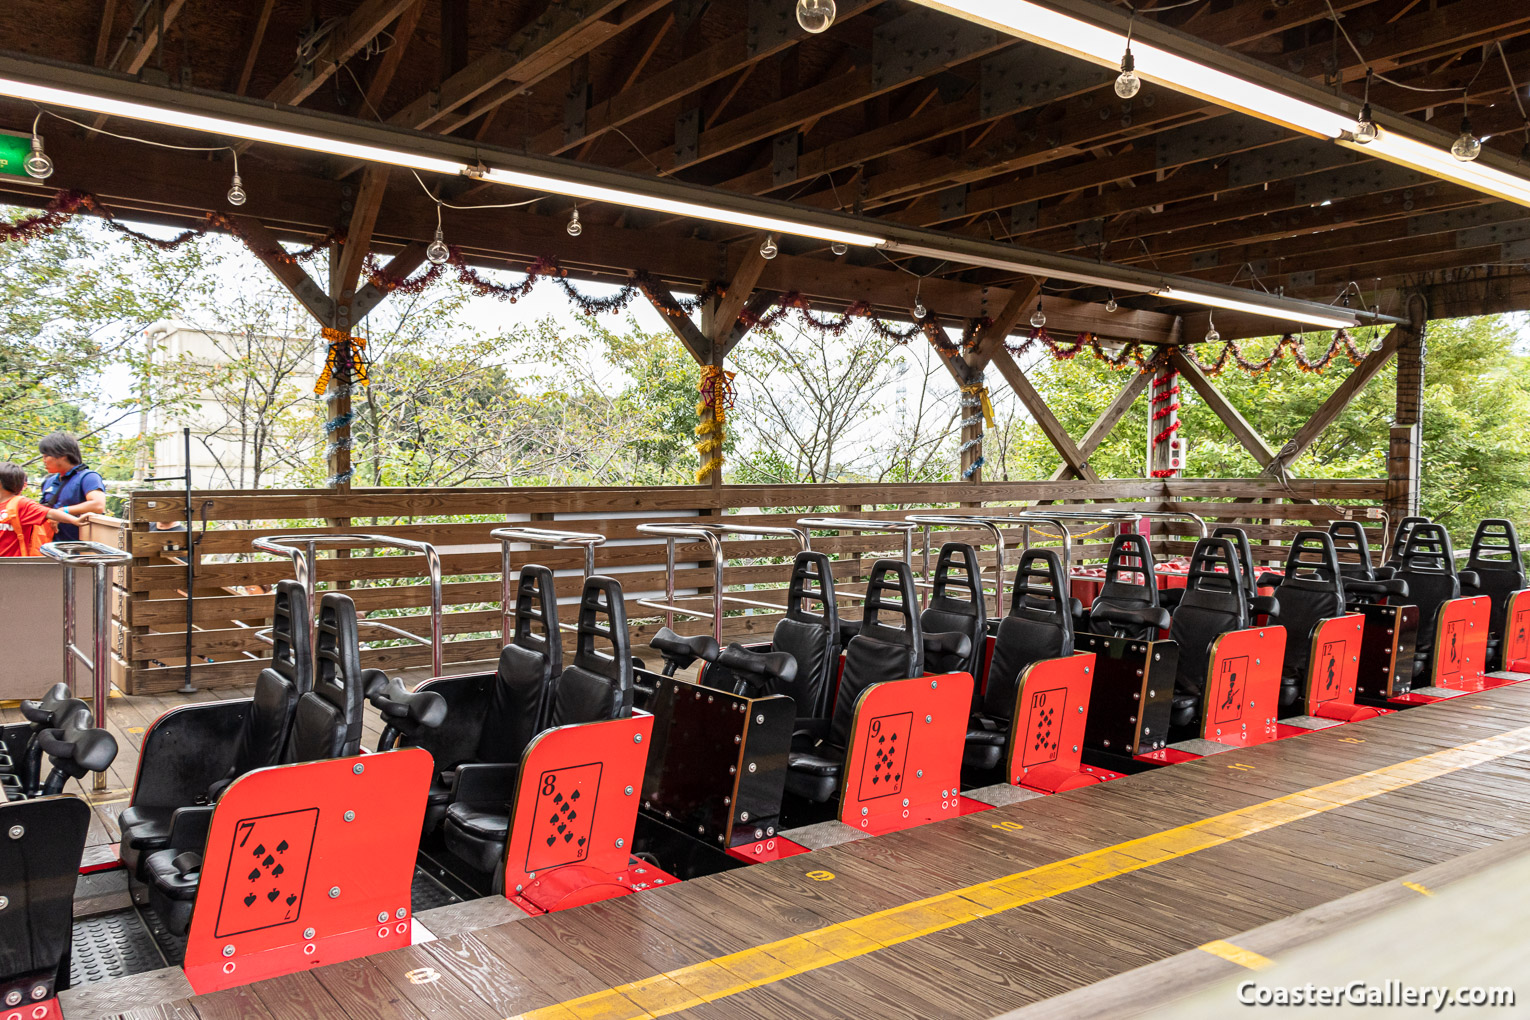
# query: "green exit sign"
[14,150]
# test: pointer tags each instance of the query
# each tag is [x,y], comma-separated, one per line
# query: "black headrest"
[957,570]
[1239,539]
[1129,571]
[603,615]
[292,650]
[1215,567]
[1349,541]
[338,679]
[1428,550]
[1313,563]
[812,582]
[1400,539]
[1495,546]
[891,591]
[536,615]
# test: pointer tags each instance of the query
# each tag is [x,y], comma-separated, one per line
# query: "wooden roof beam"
[341,43]
[1223,408]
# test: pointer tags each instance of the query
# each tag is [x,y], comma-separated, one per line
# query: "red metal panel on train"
[1243,686]
[1333,669]
[576,801]
[1051,708]
[1516,638]
[904,763]
[1460,644]
[307,865]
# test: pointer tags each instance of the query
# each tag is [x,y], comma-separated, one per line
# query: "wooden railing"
[232,600]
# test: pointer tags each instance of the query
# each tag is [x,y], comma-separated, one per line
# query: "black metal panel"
[717,770]
[1386,652]
[187,750]
[1132,694]
[41,842]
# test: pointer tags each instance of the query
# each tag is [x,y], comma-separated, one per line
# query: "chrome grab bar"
[303,550]
[712,533]
[586,540]
[100,558]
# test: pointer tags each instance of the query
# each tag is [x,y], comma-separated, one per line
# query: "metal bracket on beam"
[1026,75]
[687,11]
[687,135]
[771,23]
[784,150]
[1301,280]
[1090,233]
[1494,233]
[1278,162]
[953,202]
[922,42]
[1365,178]
[1023,217]
[575,104]
[1459,219]
[1205,260]
[1220,136]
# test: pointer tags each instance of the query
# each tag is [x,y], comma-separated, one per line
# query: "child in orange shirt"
[24,524]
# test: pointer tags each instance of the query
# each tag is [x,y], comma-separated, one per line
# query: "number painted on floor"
[821,876]
[1351,740]
[423,976]
[1007,826]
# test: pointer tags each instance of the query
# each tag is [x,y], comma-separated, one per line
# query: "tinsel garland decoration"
[973,469]
[716,398]
[1165,402]
[1342,343]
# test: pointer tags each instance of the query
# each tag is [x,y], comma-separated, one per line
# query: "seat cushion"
[985,735]
[477,834]
[146,828]
[811,786]
[812,646]
[161,873]
[814,763]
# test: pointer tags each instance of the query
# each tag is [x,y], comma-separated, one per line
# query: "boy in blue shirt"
[70,486]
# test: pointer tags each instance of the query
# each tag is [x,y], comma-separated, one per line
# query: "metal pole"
[191,571]
[506,612]
[437,626]
[717,585]
[102,650]
[69,626]
[669,581]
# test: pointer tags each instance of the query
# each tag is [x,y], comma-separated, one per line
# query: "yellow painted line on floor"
[1419,887]
[1237,954]
[686,987]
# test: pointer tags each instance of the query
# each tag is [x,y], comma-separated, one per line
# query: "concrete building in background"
[252,411]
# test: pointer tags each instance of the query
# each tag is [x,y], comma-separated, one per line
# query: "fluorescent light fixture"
[1043,264]
[696,210]
[1339,320]
[171,117]
[1067,34]
[233,128]
[1062,32]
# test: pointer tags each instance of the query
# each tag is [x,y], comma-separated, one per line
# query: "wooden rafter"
[291,275]
[1242,431]
[1108,419]
[130,58]
[257,36]
[341,43]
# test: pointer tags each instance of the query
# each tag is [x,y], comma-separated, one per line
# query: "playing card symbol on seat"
[255,875]
[249,900]
[268,861]
[260,849]
[291,899]
[281,847]
[276,872]
[273,894]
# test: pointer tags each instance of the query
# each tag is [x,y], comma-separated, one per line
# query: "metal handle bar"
[712,534]
[100,558]
[964,521]
[905,528]
[305,562]
[586,540]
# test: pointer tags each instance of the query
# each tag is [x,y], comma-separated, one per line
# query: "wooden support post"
[1405,454]
[1251,441]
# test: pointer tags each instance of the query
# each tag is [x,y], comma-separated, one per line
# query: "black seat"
[1214,603]
[40,712]
[51,711]
[809,633]
[758,674]
[879,652]
[1397,554]
[1127,605]
[957,606]
[262,731]
[1500,571]
[1311,591]
[596,686]
[1039,625]
[1363,583]
[1429,568]
[326,723]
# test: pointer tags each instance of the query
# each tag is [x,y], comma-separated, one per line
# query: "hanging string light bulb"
[815,15]
[1212,336]
[37,164]
[839,247]
[769,249]
[1127,82]
[1467,145]
[236,195]
[1110,303]
[1365,127]
[919,310]
[1038,317]
[437,252]
[574,228]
